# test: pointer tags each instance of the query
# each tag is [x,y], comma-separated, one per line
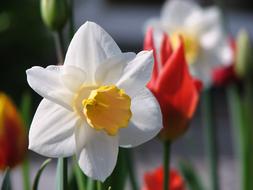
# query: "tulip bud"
[244,64]
[13,140]
[54,13]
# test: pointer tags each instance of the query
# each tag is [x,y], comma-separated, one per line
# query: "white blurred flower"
[206,43]
[94,103]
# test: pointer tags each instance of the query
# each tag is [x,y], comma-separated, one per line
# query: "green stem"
[99,185]
[79,176]
[130,166]
[26,175]
[211,140]
[248,131]
[166,164]
[59,45]
[62,170]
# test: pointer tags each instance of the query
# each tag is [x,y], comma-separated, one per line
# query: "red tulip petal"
[154,180]
[171,76]
[149,45]
[166,49]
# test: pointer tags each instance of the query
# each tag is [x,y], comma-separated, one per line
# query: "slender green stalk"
[25,110]
[6,184]
[79,176]
[248,104]
[62,174]
[130,166]
[26,174]
[238,121]
[90,184]
[211,139]
[99,185]
[59,45]
[39,173]
[166,164]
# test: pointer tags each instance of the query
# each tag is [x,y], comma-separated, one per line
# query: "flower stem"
[26,174]
[59,45]
[99,185]
[130,167]
[166,164]
[211,139]
[62,174]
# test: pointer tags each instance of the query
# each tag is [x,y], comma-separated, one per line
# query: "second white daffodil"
[94,103]
[206,43]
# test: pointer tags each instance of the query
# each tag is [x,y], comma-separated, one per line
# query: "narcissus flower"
[13,141]
[154,180]
[94,103]
[175,89]
[206,43]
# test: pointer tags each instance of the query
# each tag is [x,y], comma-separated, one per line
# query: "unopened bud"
[54,13]
[244,64]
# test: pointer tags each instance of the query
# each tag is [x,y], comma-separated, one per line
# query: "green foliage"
[38,175]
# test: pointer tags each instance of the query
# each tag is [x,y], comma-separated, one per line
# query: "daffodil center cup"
[104,108]
[191,44]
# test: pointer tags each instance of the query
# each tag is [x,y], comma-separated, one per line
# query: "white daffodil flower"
[94,103]
[206,43]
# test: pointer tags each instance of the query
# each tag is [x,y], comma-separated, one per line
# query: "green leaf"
[193,180]
[241,116]
[91,184]
[80,177]
[6,185]
[118,178]
[38,175]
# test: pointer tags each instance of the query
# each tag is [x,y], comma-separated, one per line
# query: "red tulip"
[13,140]
[154,180]
[175,89]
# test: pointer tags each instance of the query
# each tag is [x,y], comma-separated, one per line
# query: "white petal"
[146,120]
[175,12]
[52,130]
[212,32]
[137,73]
[90,46]
[111,70]
[98,157]
[47,83]
[72,77]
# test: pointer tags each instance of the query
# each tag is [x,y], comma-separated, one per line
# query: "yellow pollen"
[107,108]
[191,45]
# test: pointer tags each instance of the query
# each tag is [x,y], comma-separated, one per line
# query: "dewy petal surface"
[146,121]
[89,48]
[137,73]
[47,83]
[52,130]
[98,156]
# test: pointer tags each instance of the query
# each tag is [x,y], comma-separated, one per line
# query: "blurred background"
[25,42]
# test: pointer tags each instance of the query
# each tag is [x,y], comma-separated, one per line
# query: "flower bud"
[54,13]
[244,65]
[13,140]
